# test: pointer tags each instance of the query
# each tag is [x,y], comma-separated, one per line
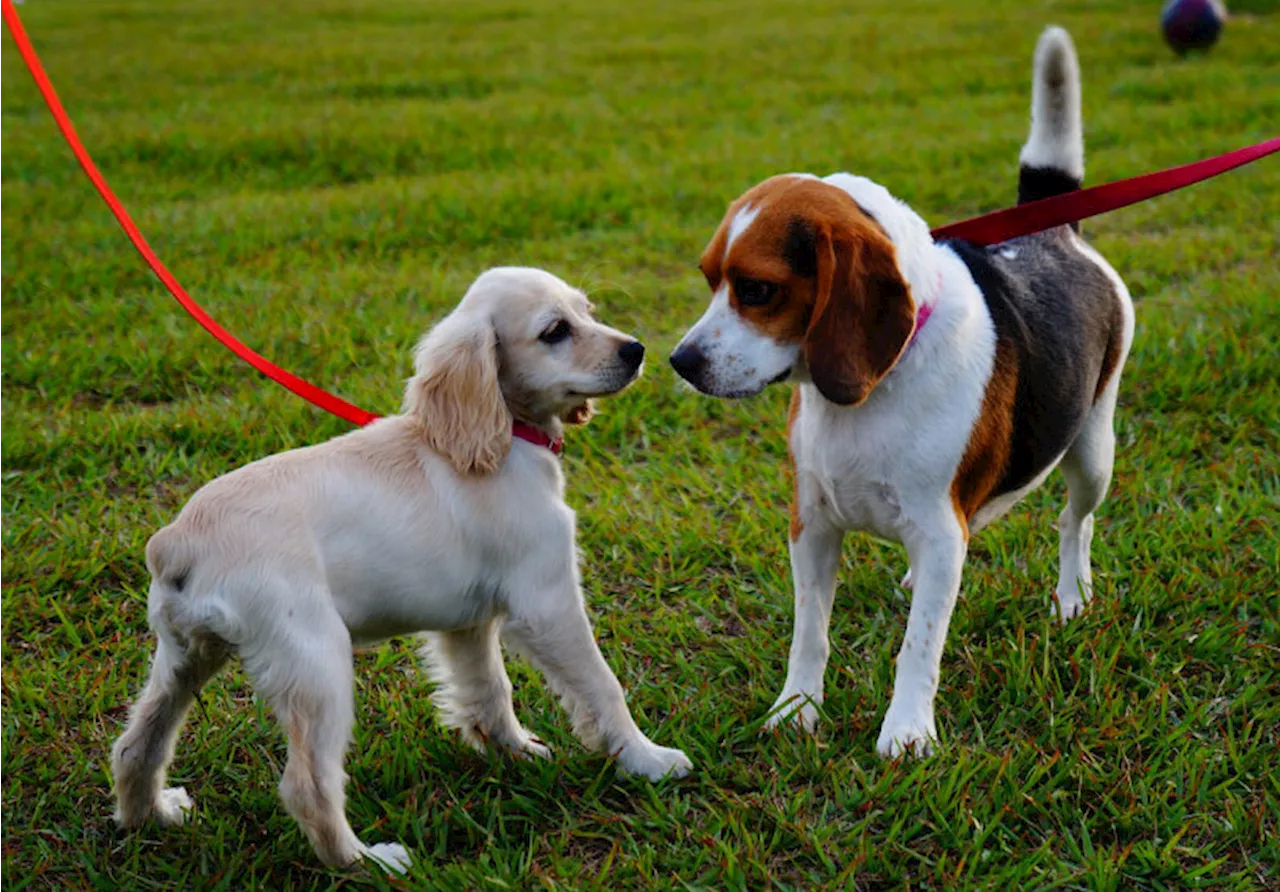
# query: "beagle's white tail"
[1052,161]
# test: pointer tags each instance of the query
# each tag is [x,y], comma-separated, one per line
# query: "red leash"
[987,229]
[307,391]
[1034,216]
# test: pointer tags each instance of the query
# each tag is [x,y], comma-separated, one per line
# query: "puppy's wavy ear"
[863,313]
[455,394]
[580,414]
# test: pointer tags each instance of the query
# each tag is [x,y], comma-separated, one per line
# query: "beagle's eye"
[754,292]
[556,333]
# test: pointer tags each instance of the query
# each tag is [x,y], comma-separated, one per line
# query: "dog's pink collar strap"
[923,312]
[528,432]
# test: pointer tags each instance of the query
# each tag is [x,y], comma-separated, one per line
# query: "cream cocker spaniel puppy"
[449,518]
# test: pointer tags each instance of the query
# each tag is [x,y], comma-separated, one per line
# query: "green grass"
[327,177]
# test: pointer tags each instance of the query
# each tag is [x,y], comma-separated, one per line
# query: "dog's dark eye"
[556,333]
[754,292]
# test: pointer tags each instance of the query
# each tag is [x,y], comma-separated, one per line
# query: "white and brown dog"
[438,519]
[918,433]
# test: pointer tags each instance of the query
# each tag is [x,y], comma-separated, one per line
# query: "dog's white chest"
[855,476]
[859,503]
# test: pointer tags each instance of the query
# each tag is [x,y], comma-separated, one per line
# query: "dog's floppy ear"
[863,313]
[580,414]
[455,393]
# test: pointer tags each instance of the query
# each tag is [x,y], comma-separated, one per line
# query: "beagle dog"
[937,382]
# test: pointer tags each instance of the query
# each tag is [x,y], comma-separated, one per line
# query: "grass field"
[328,177]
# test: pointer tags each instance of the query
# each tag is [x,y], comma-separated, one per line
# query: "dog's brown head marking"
[801,264]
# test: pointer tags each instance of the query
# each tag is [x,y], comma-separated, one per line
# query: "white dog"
[450,518]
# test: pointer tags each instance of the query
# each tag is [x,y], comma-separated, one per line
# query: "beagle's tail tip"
[1052,160]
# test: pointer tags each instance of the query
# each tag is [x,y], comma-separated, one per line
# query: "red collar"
[537,437]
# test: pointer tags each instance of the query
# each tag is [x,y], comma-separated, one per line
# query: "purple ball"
[1192,24]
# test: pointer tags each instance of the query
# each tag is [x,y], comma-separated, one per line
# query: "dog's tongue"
[578,414]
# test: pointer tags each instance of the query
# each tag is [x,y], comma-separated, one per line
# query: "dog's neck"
[539,435]
[552,426]
[523,414]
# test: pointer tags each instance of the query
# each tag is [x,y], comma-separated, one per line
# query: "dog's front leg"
[936,549]
[553,632]
[815,558]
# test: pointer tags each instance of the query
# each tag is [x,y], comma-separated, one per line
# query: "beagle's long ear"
[455,394]
[863,313]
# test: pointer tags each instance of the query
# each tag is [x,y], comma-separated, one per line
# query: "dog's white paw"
[172,806]
[531,747]
[907,583]
[913,734]
[519,743]
[646,759]
[390,856]
[1069,606]
[794,709]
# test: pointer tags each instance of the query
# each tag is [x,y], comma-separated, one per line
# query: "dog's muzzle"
[690,363]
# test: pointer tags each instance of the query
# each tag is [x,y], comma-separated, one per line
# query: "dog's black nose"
[689,362]
[632,353]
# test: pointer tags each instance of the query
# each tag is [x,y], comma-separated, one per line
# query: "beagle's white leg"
[815,558]
[937,549]
[1087,468]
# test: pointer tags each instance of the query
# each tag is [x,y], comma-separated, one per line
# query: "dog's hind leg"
[473,692]
[305,672]
[143,752]
[1087,469]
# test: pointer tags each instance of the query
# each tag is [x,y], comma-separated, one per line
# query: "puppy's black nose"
[632,353]
[689,362]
